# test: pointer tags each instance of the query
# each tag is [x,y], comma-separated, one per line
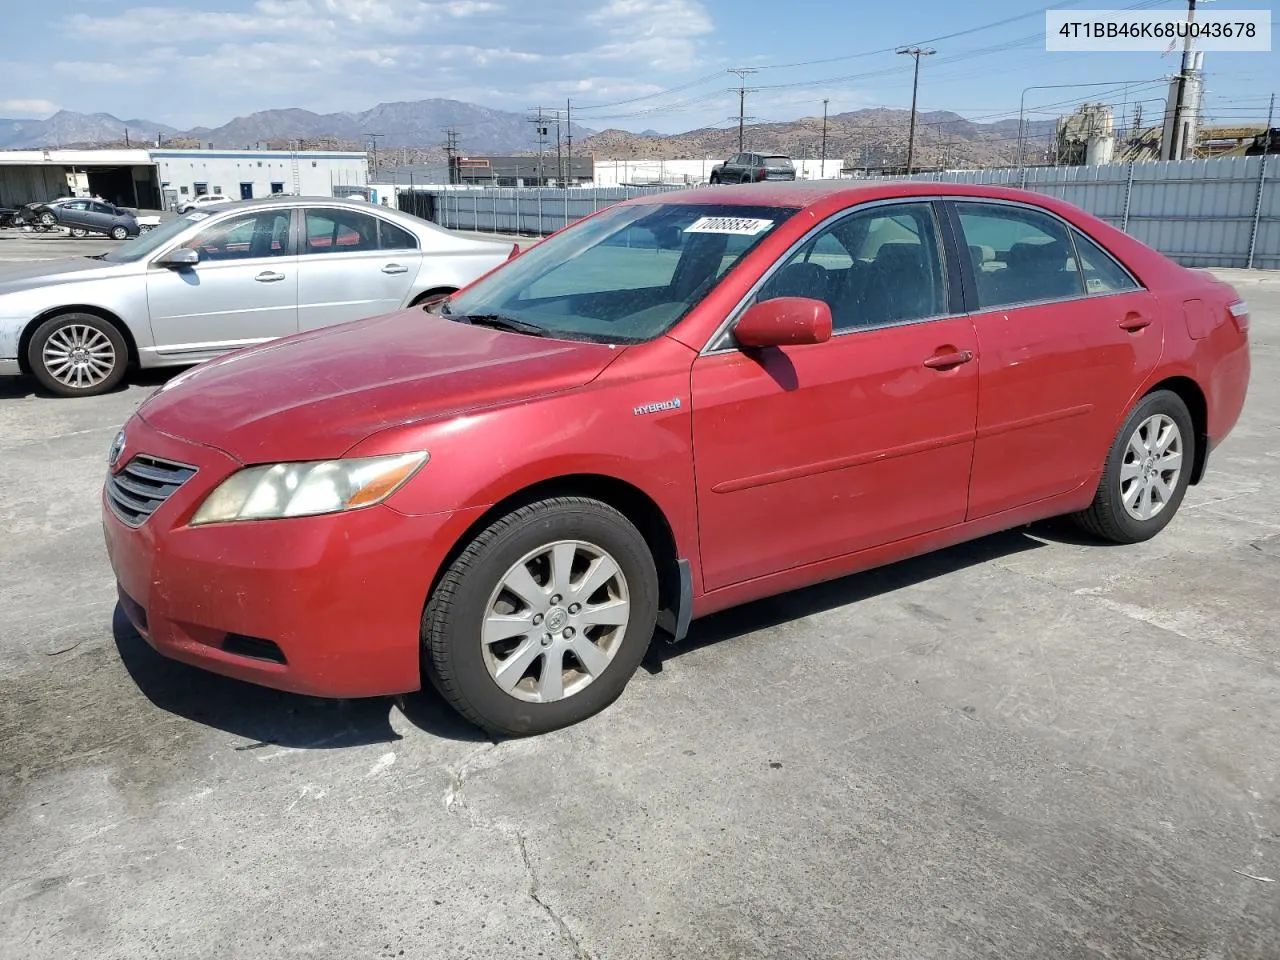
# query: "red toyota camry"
[682,403]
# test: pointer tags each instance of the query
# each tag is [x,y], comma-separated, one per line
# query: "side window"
[1019,255]
[1101,273]
[391,237]
[100,208]
[873,268]
[246,237]
[340,231]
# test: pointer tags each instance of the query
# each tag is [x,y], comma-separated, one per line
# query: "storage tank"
[1100,150]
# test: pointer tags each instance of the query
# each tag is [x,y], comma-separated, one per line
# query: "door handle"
[1134,322]
[268,277]
[395,268]
[952,358]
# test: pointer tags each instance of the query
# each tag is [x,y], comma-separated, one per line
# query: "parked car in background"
[40,215]
[82,217]
[187,204]
[684,402]
[753,168]
[215,280]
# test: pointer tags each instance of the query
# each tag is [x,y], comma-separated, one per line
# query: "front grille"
[137,491]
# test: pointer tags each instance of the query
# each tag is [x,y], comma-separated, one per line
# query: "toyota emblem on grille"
[117,448]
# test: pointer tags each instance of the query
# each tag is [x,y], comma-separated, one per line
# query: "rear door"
[352,265]
[1065,337]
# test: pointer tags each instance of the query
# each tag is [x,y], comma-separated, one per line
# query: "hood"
[33,273]
[313,396]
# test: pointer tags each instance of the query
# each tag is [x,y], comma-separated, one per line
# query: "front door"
[244,290]
[352,265]
[811,452]
[1065,335]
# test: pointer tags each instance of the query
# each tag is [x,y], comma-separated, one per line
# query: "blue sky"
[188,63]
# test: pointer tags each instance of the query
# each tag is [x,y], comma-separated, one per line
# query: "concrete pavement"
[1030,746]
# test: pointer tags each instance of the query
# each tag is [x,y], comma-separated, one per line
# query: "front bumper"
[337,600]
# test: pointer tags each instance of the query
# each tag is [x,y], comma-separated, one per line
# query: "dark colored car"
[682,403]
[95,216]
[754,168]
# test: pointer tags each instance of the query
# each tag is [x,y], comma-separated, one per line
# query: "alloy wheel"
[555,621]
[1151,467]
[79,356]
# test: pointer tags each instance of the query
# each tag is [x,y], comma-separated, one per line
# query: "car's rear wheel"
[77,355]
[119,233]
[1146,472]
[542,620]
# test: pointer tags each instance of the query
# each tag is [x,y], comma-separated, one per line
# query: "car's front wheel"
[1146,472]
[77,355]
[78,232]
[543,618]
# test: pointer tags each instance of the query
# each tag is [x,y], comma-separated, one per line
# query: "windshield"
[146,244]
[624,276]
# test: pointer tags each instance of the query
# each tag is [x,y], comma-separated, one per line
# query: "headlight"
[306,489]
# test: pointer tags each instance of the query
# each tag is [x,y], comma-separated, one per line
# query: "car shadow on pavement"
[777,610]
[266,717]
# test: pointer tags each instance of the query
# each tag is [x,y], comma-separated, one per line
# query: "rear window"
[777,161]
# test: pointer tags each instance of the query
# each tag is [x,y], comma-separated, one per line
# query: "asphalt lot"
[1026,747]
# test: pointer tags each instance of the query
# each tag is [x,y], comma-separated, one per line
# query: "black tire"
[1107,518]
[452,622]
[119,233]
[36,355]
[78,232]
[48,219]
[715,180]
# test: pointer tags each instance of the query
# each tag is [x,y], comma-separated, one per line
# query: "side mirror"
[784,322]
[181,257]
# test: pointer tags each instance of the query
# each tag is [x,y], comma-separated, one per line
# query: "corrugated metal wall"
[1202,213]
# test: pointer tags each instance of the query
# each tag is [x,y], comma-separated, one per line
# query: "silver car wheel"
[1151,467]
[555,621]
[79,356]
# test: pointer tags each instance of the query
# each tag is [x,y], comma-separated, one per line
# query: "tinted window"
[777,161]
[340,231]
[873,268]
[391,237]
[1019,255]
[626,275]
[246,237]
[1101,273]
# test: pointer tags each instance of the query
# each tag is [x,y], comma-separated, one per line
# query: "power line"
[742,74]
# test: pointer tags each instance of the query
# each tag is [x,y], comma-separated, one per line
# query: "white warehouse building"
[249,174]
[158,178]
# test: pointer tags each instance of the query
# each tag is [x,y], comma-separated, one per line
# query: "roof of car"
[292,200]
[804,193]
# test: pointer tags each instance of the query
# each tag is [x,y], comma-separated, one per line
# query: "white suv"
[200,203]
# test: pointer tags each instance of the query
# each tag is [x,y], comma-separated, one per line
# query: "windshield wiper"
[499,322]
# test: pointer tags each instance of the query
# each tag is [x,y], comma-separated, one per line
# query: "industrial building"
[157,178]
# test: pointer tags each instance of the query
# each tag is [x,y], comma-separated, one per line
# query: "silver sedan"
[217,280]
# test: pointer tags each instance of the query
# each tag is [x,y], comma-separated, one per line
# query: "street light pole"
[917,53]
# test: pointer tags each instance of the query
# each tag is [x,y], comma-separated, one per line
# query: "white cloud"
[33,108]
[205,66]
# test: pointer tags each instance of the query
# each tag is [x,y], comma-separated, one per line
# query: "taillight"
[762,173]
[1240,314]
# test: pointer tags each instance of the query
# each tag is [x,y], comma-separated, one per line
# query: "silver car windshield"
[624,276]
[146,244]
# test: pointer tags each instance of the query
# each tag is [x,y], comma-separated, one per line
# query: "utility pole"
[917,53]
[1178,141]
[822,170]
[742,91]
[540,125]
[568,133]
[451,153]
[373,137]
[559,156]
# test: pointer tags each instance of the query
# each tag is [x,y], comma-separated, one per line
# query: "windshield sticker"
[738,226]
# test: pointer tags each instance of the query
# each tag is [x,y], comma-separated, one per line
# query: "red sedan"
[682,403]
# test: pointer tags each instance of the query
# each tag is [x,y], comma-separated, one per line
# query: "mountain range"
[416,130]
